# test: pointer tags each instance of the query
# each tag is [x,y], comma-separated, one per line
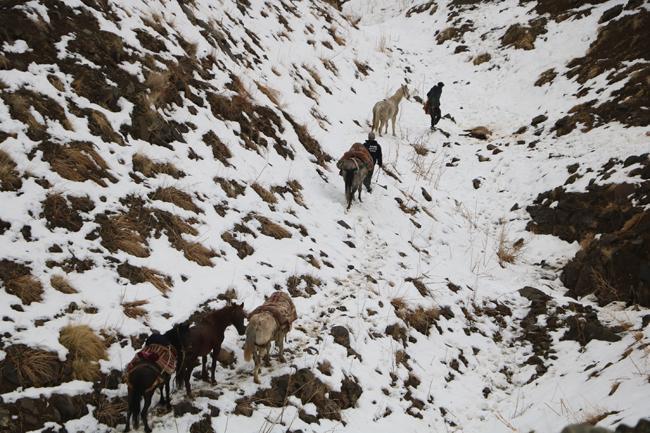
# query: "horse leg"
[213,367]
[204,368]
[145,411]
[393,119]
[169,400]
[256,368]
[267,354]
[279,341]
[187,374]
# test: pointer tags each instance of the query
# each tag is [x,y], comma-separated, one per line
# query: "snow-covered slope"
[165,156]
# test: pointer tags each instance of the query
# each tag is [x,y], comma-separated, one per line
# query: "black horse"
[145,375]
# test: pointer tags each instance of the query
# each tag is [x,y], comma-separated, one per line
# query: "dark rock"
[204,425]
[476,183]
[514,207]
[426,195]
[538,119]
[341,336]
[243,407]
[533,294]
[643,426]
[610,13]
[645,320]
[584,328]
[349,243]
[349,394]
[343,224]
[183,407]
[572,168]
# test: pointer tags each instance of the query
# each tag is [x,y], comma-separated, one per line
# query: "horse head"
[405,92]
[239,315]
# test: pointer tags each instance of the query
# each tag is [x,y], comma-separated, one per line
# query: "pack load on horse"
[355,166]
[206,337]
[387,109]
[151,368]
[270,321]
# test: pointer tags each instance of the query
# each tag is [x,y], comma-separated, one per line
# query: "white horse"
[269,322]
[387,109]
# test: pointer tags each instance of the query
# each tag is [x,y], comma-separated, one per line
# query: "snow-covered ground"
[453,237]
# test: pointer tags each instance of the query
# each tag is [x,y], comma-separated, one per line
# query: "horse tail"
[134,398]
[250,342]
[348,177]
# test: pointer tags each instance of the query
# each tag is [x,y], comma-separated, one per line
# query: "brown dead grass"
[264,193]
[34,367]
[136,275]
[134,309]
[149,168]
[272,94]
[420,318]
[175,196]
[85,349]
[272,229]
[340,40]
[110,412]
[330,66]
[231,187]
[61,283]
[198,253]
[243,248]
[77,161]
[9,177]
[220,150]
[507,251]
[165,86]
[26,287]
[119,232]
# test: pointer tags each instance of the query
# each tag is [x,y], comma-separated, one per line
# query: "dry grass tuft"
[177,197]
[85,350]
[138,275]
[231,187]
[61,283]
[325,367]
[78,162]
[243,248]
[110,412]
[149,168]
[220,150]
[26,287]
[421,318]
[198,253]
[340,40]
[272,94]
[34,367]
[134,309]
[9,177]
[264,193]
[508,252]
[271,229]
[119,232]
[330,66]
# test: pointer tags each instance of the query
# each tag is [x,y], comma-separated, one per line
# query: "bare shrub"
[198,253]
[34,367]
[77,161]
[85,349]
[507,251]
[136,275]
[420,318]
[119,232]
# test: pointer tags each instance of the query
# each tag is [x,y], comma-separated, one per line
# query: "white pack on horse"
[269,322]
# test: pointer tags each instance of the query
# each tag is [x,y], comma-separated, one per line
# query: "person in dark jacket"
[433,103]
[375,151]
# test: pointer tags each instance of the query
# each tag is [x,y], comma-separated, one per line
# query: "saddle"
[159,357]
[359,152]
[281,307]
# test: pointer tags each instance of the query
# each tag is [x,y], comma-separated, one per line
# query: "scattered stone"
[477,183]
[183,407]
[344,224]
[480,132]
[426,195]
[538,119]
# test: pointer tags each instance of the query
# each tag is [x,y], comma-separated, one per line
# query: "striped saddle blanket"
[280,305]
[161,355]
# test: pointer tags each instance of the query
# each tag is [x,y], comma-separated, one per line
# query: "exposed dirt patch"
[420,318]
[586,327]
[272,229]
[537,335]
[619,47]
[65,211]
[23,101]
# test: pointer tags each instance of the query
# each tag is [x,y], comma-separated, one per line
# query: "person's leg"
[436,114]
[367,181]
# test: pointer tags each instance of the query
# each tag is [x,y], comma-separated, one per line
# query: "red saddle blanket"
[280,305]
[359,152]
[162,356]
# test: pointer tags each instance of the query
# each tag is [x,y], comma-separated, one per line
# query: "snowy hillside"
[160,158]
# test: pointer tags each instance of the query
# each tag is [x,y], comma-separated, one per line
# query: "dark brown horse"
[144,374]
[207,337]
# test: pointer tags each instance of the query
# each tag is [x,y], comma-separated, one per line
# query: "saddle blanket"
[359,152]
[280,305]
[163,356]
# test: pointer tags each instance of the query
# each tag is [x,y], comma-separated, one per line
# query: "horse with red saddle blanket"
[355,165]
[151,368]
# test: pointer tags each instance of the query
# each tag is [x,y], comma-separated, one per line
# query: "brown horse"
[207,337]
[356,167]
